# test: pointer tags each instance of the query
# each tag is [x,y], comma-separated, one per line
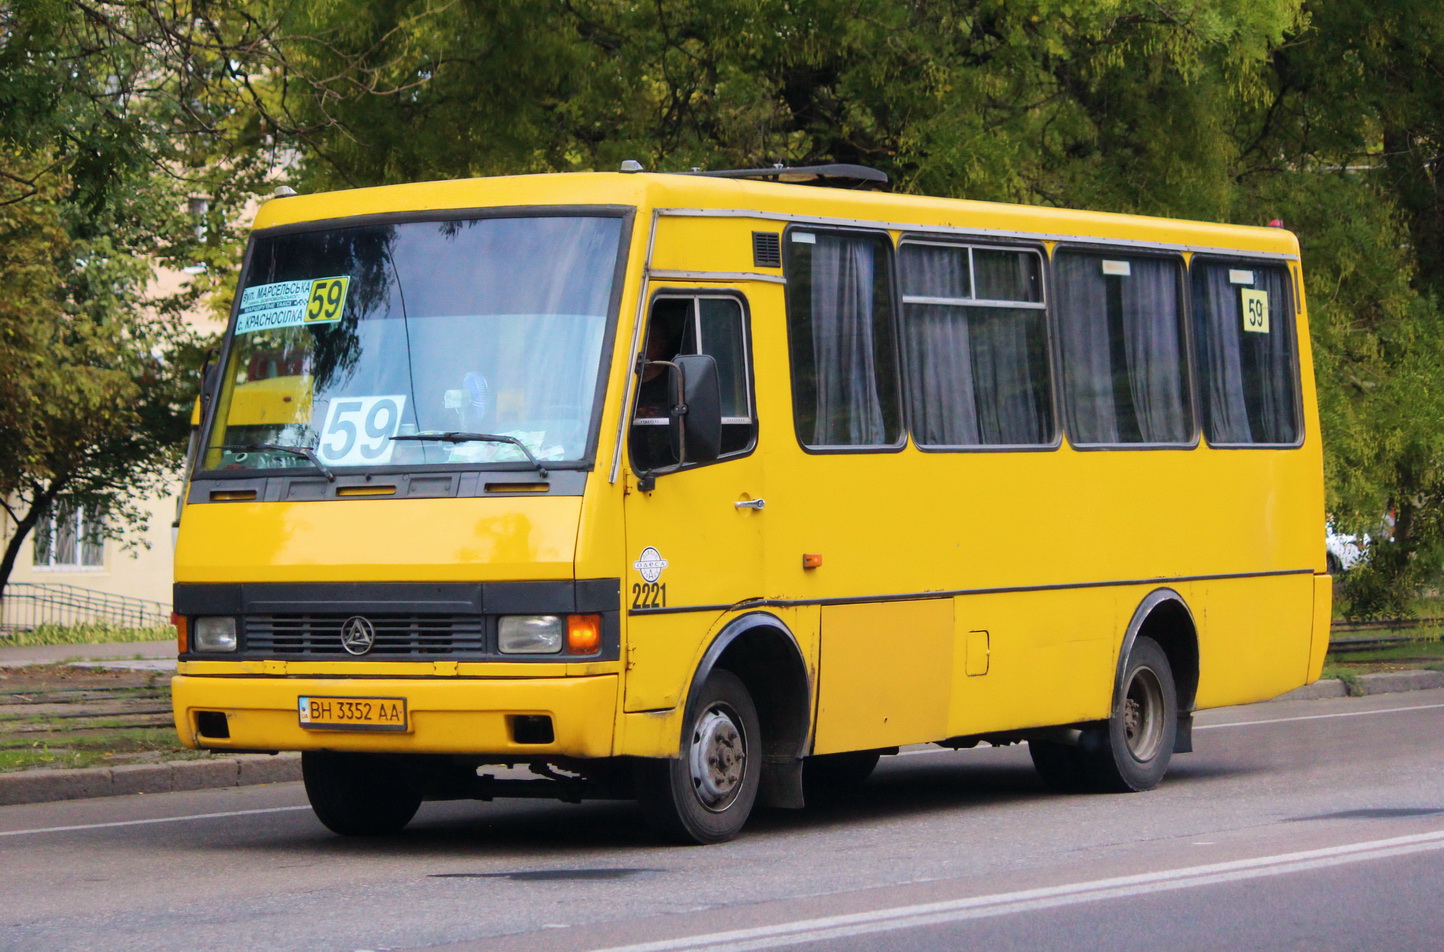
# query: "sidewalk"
[46,785]
[134,655]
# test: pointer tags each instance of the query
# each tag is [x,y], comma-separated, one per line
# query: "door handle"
[751,504]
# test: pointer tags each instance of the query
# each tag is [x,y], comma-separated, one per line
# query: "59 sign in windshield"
[358,430]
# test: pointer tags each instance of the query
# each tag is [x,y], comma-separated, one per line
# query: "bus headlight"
[214,634]
[530,634]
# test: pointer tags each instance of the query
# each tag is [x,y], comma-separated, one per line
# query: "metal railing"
[27,605]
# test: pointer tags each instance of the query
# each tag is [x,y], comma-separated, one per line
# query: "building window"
[68,536]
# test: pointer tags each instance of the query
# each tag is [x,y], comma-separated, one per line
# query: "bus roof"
[702,194]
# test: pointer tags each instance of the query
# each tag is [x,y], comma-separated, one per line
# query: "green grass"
[93,749]
[87,634]
[1349,676]
[1425,651]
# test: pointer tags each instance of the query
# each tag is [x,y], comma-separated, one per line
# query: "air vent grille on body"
[766,249]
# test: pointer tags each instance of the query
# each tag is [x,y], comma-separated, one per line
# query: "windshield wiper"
[301,451]
[458,437]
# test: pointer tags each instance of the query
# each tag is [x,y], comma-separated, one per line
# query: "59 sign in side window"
[358,430]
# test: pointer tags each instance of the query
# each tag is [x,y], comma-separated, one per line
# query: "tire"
[359,794]
[827,777]
[1132,750]
[706,794]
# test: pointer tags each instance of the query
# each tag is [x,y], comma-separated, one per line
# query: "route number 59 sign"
[358,430]
[1255,310]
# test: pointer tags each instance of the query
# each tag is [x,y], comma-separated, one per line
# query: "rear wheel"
[706,795]
[1132,751]
[359,794]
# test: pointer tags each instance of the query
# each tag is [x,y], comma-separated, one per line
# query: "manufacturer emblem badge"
[650,564]
[357,635]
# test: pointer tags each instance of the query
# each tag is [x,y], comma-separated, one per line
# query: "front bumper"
[452,716]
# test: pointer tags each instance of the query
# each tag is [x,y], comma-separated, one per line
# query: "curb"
[1388,682]
[45,786]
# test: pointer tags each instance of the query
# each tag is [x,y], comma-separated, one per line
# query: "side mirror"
[696,425]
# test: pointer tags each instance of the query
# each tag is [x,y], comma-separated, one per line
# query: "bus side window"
[1244,332]
[1125,372]
[697,324]
[846,391]
[975,343]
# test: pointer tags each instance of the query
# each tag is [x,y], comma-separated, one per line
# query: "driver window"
[696,324]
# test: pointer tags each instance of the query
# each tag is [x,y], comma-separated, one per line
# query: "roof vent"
[836,174]
[631,165]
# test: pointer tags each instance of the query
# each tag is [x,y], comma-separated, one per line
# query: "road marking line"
[164,819]
[1319,717]
[830,928]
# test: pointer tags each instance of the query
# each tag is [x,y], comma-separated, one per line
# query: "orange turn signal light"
[584,634]
[182,631]
[812,560]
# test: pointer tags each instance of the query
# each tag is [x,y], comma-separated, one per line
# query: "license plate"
[352,713]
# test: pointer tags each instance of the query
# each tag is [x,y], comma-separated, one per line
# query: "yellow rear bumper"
[451,716]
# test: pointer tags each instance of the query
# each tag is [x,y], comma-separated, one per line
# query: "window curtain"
[1012,385]
[1087,361]
[92,543]
[973,378]
[44,536]
[849,406]
[67,536]
[1153,345]
[940,379]
[939,347]
[1247,380]
[1123,351]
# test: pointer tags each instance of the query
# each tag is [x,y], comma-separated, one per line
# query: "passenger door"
[694,531]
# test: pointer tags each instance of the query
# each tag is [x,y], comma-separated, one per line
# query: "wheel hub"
[718,759]
[1143,726]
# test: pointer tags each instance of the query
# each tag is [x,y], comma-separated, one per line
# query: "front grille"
[303,635]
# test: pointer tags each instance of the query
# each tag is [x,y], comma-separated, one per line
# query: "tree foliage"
[1328,115]
[113,115]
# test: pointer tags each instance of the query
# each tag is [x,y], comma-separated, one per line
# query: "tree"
[1348,148]
[112,116]
[1328,115]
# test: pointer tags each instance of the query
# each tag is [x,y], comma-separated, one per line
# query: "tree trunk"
[22,532]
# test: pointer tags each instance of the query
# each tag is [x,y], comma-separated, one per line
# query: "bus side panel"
[1255,638]
[1049,659]
[883,674]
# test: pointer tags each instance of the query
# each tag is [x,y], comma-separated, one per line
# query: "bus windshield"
[348,338]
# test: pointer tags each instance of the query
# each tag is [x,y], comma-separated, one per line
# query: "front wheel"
[359,794]
[706,795]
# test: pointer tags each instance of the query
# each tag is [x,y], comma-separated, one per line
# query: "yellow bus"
[710,489]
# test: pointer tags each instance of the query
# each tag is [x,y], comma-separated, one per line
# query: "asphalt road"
[1311,825]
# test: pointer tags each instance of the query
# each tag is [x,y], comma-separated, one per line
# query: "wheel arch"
[762,651]
[1164,616]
